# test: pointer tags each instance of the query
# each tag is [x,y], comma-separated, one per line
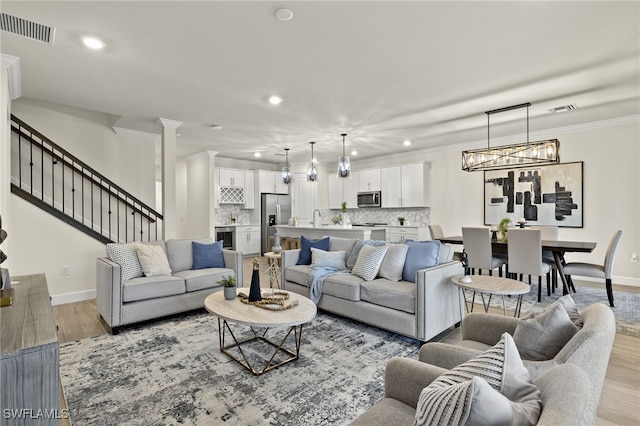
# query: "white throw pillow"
[153,260]
[328,259]
[393,262]
[369,261]
[125,256]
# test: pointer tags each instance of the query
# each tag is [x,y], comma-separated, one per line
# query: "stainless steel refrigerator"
[275,210]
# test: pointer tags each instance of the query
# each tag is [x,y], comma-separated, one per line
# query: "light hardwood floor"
[619,403]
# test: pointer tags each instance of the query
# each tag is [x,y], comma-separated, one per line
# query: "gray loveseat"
[420,310]
[138,299]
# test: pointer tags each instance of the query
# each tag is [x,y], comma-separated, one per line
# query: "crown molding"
[123,131]
[165,122]
[12,64]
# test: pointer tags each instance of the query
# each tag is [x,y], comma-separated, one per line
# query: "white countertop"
[330,227]
[235,224]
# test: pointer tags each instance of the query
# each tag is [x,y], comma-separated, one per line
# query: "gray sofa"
[564,389]
[589,349]
[419,310]
[138,299]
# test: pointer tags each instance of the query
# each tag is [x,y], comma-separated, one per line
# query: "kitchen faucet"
[313,220]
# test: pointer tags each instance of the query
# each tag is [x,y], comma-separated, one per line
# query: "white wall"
[42,243]
[200,195]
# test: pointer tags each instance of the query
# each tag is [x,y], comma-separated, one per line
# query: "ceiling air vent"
[563,108]
[26,28]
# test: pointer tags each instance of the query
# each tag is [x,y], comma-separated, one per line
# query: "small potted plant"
[502,227]
[229,284]
[345,218]
[401,221]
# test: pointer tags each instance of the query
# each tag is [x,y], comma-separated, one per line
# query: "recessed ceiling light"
[216,127]
[563,108]
[406,143]
[93,43]
[257,154]
[283,14]
[354,152]
[275,100]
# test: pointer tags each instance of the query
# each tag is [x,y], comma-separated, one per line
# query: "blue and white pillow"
[369,261]
[125,255]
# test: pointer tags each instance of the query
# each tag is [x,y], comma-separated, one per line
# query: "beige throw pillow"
[153,260]
[393,262]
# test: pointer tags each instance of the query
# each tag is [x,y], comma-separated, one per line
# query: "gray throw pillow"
[540,338]
[494,388]
[328,259]
[393,262]
[338,244]
[569,305]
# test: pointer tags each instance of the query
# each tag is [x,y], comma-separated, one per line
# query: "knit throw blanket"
[315,280]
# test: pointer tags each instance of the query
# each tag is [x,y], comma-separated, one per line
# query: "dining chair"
[597,271]
[477,246]
[436,232]
[525,256]
[550,232]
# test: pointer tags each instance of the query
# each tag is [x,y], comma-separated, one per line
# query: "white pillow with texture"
[369,261]
[153,260]
[125,256]
[328,259]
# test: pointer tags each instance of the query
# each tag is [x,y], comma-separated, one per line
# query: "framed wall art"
[542,195]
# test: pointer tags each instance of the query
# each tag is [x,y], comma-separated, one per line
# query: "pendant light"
[312,170]
[286,169]
[344,164]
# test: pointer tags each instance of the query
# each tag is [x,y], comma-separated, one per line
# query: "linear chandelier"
[286,169]
[344,164]
[511,156]
[312,169]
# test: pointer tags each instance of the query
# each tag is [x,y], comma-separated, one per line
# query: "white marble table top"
[492,285]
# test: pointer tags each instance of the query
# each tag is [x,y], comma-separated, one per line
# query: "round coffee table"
[237,312]
[486,284]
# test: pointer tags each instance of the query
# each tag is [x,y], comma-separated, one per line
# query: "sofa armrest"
[109,291]
[438,300]
[233,260]
[288,258]
[405,378]
[565,398]
[446,355]
[487,328]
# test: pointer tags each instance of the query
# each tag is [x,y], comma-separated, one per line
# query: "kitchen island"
[359,232]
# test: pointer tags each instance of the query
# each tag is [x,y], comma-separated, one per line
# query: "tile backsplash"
[420,216]
[225,212]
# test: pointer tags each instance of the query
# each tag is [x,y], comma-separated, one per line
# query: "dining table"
[557,247]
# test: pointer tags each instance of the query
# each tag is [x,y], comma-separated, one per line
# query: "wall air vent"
[26,28]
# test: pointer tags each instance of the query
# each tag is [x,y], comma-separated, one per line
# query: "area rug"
[626,311]
[173,373]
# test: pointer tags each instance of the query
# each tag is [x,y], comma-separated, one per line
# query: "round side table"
[274,270]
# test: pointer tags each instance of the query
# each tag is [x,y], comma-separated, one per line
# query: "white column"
[169,211]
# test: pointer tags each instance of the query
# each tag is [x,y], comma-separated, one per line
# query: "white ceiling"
[381,71]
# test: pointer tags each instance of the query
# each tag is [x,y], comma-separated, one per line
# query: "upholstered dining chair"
[550,232]
[597,271]
[436,232]
[477,246]
[525,256]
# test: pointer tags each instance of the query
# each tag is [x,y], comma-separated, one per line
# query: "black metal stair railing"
[48,176]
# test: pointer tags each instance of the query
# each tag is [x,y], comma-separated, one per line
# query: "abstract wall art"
[544,195]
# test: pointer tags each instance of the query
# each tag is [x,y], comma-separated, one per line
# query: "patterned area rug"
[172,372]
[626,311]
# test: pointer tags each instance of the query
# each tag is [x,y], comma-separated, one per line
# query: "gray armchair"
[564,388]
[588,349]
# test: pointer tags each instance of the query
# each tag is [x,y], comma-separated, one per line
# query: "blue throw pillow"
[207,255]
[305,248]
[421,255]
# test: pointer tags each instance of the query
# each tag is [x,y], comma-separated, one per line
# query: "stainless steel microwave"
[369,199]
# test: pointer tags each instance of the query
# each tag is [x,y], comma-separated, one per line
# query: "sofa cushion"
[305,248]
[152,287]
[153,260]
[125,255]
[207,255]
[393,262]
[298,274]
[339,244]
[421,255]
[197,279]
[369,261]
[180,253]
[390,294]
[540,338]
[569,305]
[328,259]
[353,256]
[345,286]
[493,388]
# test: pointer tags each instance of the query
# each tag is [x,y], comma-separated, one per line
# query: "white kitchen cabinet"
[270,182]
[369,180]
[402,233]
[248,239]
[249,190]
[231,177]
[342,189]
[405,186]
[303,197]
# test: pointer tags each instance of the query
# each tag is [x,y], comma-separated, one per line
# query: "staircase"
[51,178]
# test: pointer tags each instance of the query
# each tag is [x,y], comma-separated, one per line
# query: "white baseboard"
[630,281]
[76,296]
